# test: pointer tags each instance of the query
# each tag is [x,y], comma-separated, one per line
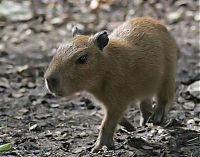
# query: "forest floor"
[39,124]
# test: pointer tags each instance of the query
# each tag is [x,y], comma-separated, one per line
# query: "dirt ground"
[41,125]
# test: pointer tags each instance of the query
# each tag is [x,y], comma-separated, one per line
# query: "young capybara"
[136,62]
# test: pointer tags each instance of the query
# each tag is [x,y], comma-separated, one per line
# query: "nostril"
[52,82]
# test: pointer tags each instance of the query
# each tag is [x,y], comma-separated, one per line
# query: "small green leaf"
[5,147]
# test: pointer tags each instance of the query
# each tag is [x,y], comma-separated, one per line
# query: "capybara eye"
[82,59]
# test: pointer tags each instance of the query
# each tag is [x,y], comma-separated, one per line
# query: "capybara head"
[78,65]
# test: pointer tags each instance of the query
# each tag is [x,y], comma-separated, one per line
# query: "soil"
[41,125]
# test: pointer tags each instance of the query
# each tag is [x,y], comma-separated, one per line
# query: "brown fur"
[138,63]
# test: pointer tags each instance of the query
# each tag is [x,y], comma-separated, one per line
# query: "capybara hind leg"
[126,124]
[145,110]
[165,98]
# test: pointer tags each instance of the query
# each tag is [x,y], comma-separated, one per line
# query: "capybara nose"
[52,83]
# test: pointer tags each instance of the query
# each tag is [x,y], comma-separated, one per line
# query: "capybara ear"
[76,31]
[101,39]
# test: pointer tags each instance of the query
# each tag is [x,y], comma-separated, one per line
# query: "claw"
[157,117]
[99,145]
[96,148]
